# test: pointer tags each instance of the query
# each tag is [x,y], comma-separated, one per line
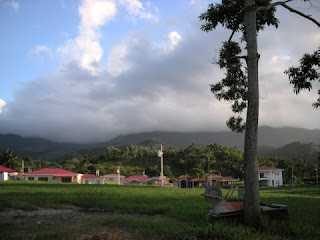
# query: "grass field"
[165,213]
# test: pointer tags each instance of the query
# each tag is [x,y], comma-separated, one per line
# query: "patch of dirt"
[27,224]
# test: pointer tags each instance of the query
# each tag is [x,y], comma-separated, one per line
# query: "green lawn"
[184,207]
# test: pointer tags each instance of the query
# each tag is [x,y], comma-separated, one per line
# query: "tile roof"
[184,176]
[199,180]
[5,169]
[228,179]
[135,177]
[214,176]
[154,179]
[56,172]
[266,168]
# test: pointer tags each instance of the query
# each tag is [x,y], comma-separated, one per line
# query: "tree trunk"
[251,197]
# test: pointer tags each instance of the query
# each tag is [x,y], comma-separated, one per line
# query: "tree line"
[193,160]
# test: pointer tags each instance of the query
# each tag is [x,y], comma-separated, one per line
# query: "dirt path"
[76,224]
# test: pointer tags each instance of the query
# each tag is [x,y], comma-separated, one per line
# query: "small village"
[268,177]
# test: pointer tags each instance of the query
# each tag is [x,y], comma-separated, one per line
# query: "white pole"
[22,166]
[317,176]
[161,165]
[118,171]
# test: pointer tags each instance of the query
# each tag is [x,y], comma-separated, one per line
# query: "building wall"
[93,181]
[271,178]
[4,176]
[51,178]
[113,178]
[38,177]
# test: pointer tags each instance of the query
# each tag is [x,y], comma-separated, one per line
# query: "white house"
[53,175]
[7,173]
[270,176]
[113,177]
[91,179]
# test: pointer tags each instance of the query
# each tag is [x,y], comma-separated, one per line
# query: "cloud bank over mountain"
[154,77]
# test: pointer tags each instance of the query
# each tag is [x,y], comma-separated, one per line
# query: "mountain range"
[269,140]
[267,136]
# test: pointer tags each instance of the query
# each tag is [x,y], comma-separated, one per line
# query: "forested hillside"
[309,152]
[269,138]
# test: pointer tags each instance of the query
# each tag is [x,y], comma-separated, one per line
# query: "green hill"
[272,140]
[309,152]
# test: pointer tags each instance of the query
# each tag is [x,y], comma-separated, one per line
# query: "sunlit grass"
[185,207]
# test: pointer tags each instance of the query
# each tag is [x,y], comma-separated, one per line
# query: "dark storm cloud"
[162,89]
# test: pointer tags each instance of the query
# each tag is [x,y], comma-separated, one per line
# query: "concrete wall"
[271,178]
[4,176]
[93,181]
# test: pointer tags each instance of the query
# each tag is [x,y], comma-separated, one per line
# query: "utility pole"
[292,176]
[160,154]
[22,167]
[118,171]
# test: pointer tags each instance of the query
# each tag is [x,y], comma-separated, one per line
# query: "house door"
[183,184]
[272,182]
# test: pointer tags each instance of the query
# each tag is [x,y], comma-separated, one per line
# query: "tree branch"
[239,57]
[231,35]
[283,4]
[301,14]
[266,8]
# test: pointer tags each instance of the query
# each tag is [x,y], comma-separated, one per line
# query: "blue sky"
[89,70]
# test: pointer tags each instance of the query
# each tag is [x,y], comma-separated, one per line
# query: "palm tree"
[10,159]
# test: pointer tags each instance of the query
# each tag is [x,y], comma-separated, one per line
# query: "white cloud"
[15,5]
[136,9]
[172,40]
[86,46]
[117,61]
[169,43]
[39,53]
[124,55]
[277,59]
[2,104]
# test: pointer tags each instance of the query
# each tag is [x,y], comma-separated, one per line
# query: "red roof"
[228,179]
[199,180]
[214,176]
[89,176]
[184,176]
[5,169]
[266,168]
[135,177]
[56,172]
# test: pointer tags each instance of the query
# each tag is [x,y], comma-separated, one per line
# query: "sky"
[89,70]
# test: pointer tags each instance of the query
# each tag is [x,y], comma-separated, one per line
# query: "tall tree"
[240,84]
[309,70]
[10,159]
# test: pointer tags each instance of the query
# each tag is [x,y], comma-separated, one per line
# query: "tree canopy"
[302,77]
[241,84]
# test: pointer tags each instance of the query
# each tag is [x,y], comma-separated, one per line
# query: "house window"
[43,178]
[30,178]
[66,179]
[262,175]
[111,179]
